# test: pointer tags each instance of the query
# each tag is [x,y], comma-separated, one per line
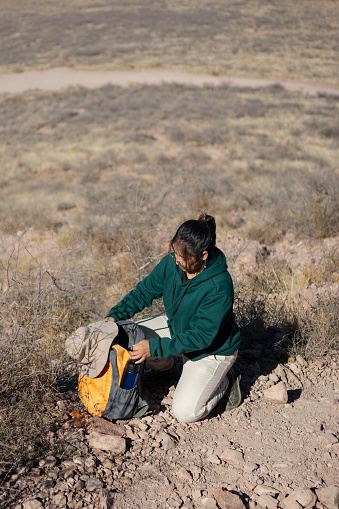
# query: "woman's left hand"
[140,351]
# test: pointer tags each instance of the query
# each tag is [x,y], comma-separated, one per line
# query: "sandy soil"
[61,77]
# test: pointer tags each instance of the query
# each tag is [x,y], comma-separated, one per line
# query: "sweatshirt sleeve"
[204,327]
[150,288]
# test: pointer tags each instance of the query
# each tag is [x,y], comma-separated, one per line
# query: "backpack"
[103,395]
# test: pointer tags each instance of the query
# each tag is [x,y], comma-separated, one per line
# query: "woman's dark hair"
[194,237]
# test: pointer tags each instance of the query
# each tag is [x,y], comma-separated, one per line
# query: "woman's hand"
[109,319]
[140,351]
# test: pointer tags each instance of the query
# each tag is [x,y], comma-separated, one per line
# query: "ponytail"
[196,236]
[209,220]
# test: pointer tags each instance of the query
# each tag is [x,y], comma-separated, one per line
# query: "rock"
[79,460]
[290,503]
[249,468]
[329,496]
[277,393]
[174,500]
[283,464]
[262,489]
[196,494]
[208,503]
[107,463]
[184,474]
[32,504]
[233,457]
[305,497]
[67,473]
[168,442]
[89,462]
[327,438]
[100,425]
[143,435]
[142,425]
[300,360]
[106,499]
[47,485]
[311,428]
[111,443]
[228,500]
[94,484]
[294,368]
[77,444]
[213,458]
[60,500]
[268,501]
[48,461]
[74,423]
[195,471]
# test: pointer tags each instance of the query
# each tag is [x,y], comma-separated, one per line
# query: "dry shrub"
[326,270]
[307,317]
[45,295]
[318,328]
[38,308]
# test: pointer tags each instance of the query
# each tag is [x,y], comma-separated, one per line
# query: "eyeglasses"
[175,256]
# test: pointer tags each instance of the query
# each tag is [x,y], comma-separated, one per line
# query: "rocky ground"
[279,449]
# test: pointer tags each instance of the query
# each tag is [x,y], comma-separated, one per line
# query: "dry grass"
[279,308]
[294,39]
[45,295]
[262,161]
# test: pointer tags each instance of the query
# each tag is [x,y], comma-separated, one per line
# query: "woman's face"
[191,264]
[179,259]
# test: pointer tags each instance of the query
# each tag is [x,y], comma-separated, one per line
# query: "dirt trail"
[61,77]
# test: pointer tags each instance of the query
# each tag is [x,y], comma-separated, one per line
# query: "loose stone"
[184,474]
[290,503]
[249,468]
[110,443]
[79,460]
[213,458]
[262,489]
[329,496]
[94,484]
[60,500]
[228,500]
[208,503]
[268,501]
[233,457]
[48,461]
[105,427]
[277,393]
[32,504]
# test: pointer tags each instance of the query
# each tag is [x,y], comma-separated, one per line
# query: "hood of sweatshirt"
[216,265]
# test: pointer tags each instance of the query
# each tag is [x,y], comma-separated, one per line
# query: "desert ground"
[227,107]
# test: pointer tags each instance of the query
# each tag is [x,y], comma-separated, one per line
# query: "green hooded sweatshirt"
[199,311]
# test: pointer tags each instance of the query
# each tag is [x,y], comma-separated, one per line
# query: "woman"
[197,291]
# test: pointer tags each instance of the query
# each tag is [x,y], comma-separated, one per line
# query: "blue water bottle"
[130,375]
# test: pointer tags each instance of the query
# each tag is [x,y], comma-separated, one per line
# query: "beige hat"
[90,345]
